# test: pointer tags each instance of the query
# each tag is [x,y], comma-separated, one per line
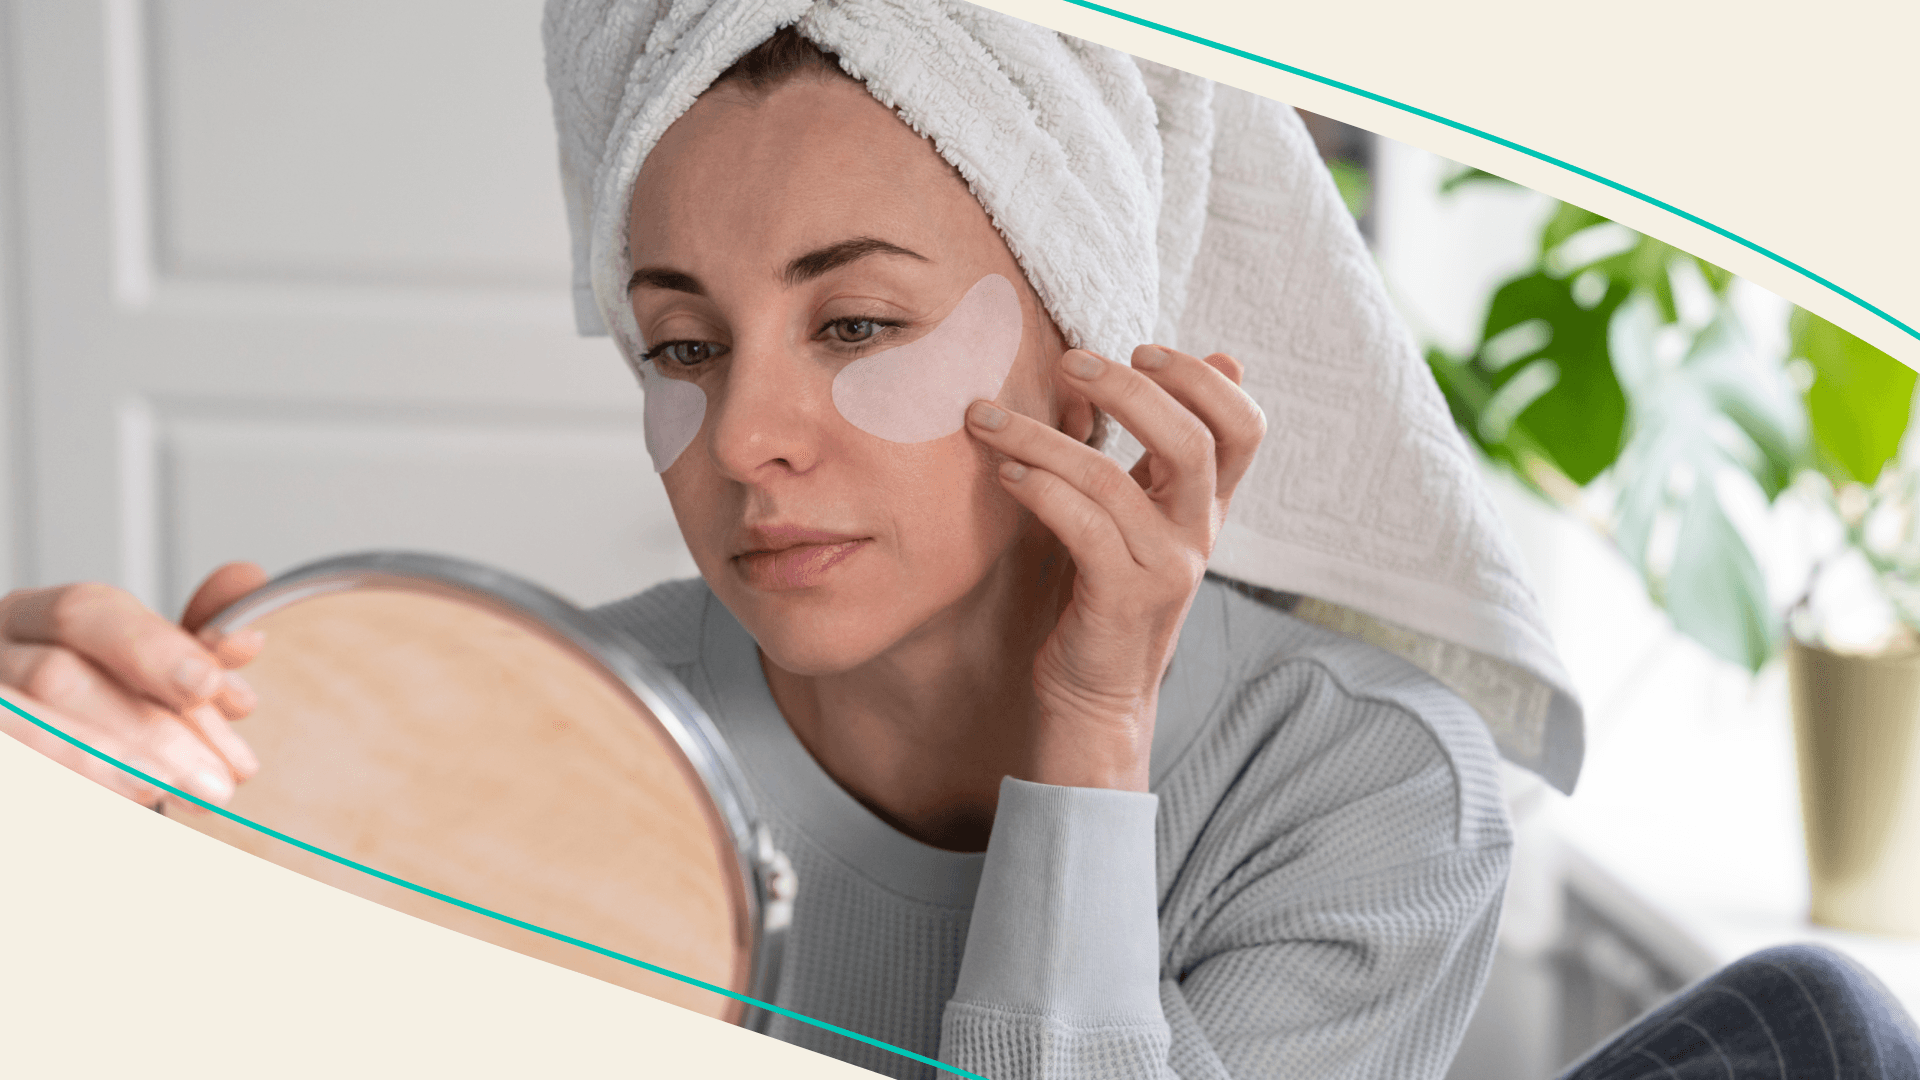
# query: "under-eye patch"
[675,410]
[913,393]
[920,390]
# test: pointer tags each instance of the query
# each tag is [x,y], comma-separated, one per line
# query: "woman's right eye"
[686,353]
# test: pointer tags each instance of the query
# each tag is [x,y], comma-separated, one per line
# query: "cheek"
[920,391]
[700,509]
[962,516]
[674,412]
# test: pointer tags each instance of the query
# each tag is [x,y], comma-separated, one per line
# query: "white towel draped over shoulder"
[1145,205]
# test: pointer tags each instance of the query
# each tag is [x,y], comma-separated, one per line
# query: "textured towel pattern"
[1144,205]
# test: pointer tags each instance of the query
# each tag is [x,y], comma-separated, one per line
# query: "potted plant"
[1616,379]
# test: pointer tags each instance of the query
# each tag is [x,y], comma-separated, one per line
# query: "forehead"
[817,158]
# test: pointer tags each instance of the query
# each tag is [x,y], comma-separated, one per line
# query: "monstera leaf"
[1566,380]
[1859,401]
[1644,265]
[1717,409]
[1715,593]
[1541,383]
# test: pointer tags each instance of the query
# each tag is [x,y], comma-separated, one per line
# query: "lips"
[784,557]
[772,538]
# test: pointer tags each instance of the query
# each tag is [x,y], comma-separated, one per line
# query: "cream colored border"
[132,946]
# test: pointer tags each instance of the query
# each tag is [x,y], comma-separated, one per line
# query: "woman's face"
[776,240]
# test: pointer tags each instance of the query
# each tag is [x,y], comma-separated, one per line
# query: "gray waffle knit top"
[1311,890]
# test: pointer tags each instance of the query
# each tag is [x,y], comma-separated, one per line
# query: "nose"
[771,414]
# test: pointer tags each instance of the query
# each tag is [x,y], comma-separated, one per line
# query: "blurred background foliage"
[1616,378]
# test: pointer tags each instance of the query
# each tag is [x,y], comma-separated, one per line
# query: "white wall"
[293,280]
[12,522]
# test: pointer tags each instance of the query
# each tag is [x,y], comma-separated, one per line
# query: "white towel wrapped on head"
[1145,205]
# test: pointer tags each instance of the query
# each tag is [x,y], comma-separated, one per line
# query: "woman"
[1001,602]
[923,649]
[1058,804]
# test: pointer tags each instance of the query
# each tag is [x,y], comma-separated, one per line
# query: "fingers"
[65,753]
[149,655]
[235,649]
[1210,389]
[222,587]
[216,731]
[1226,365]
[198,752]
[96,664]
[1199,430]
[1078,492]
[1182,449]
[1085,526]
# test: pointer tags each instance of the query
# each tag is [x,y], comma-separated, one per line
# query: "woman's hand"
[1139,543]
[92,661]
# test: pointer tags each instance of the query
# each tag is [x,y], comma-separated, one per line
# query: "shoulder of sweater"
[1358,685]
[666,619]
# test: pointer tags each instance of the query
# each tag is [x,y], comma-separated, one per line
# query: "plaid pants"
[1797,1012]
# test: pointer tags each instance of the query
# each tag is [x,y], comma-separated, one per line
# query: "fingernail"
[1083,365]
[1014,471]
[211,787]
[197,677]
[1151,357]
[248,640]
[987,416]
[240,693]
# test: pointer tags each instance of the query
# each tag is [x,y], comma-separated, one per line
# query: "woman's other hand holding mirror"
[94,662]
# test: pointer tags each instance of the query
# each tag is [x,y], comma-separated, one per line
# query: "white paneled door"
[288,280]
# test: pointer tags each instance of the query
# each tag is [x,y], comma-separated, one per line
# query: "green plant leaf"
[1354,184]
[1859,402]
[1467,391]
[1578,423]
[1578,388]
[1715,593]
[1567,219]
[1718,278]
[1754,397]
[1470,175]
[1718,407]
[1646,267]
[1645,469]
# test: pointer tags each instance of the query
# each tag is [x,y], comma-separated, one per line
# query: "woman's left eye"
[855,330]
[685,353]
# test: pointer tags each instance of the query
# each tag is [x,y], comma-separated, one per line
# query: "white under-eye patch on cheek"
[675,411]
[921,390]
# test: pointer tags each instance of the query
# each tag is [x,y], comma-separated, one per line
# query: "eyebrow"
[833,256]
[802,269]
[659,277]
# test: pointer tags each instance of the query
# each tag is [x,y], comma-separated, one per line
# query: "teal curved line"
[1508,143]
[475,908]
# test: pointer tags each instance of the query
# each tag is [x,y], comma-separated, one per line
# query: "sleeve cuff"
[1065,921]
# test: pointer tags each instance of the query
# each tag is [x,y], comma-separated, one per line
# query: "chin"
[819,636]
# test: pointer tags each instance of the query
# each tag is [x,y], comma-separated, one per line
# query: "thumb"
[222,587]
